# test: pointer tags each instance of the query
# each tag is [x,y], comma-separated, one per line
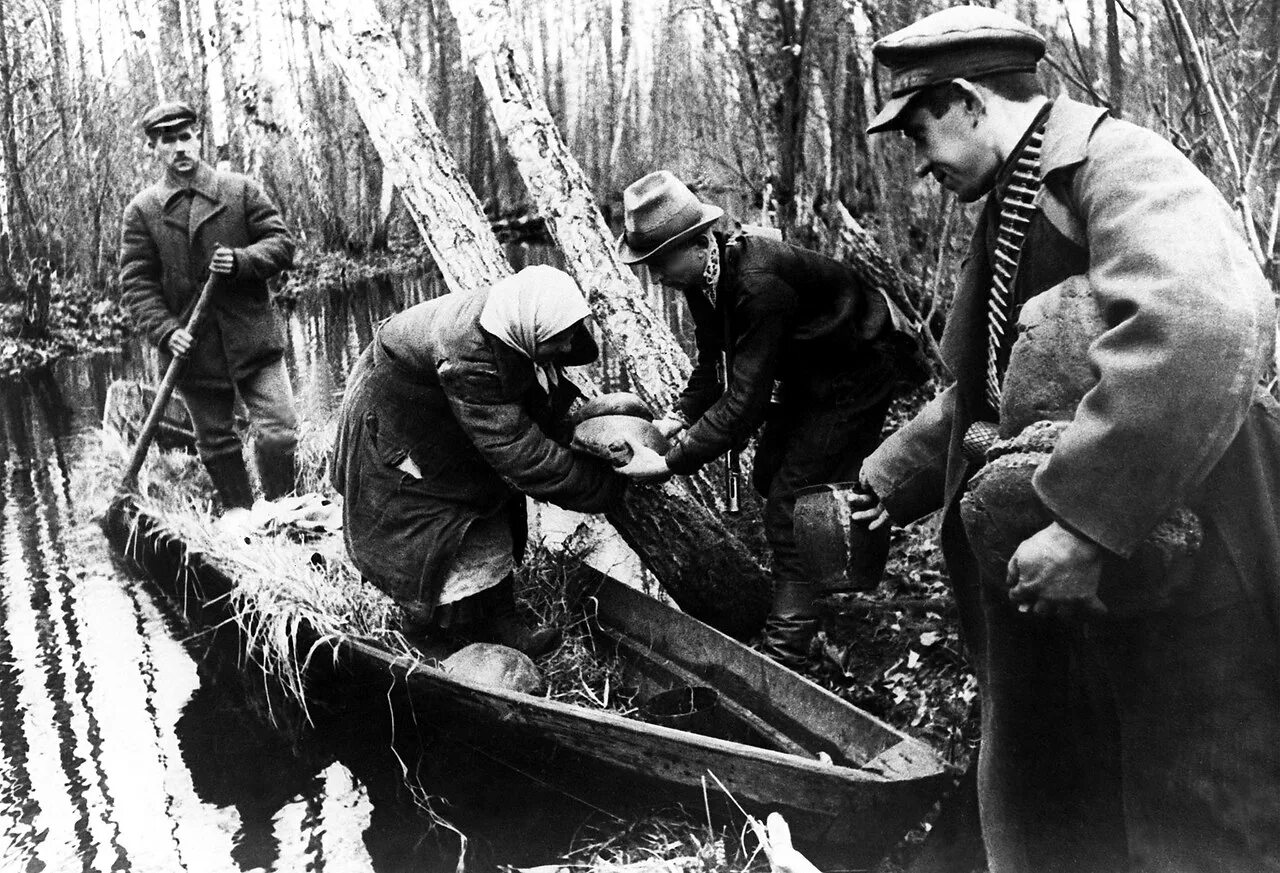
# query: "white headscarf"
[531,307]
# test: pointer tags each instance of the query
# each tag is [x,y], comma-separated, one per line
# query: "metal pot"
[839,554]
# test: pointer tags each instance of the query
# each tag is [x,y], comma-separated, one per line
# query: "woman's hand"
[645,465]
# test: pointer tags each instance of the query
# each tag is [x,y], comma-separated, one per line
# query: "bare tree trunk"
[1115,64]
[150,39]
[18,219]
[707,571]
[443,206]
[215,81]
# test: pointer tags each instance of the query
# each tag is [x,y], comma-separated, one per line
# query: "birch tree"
[706,570]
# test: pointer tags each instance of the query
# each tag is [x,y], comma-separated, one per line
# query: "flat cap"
[960,42]
[167,116]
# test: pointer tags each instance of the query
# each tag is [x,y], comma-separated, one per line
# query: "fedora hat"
[660,210]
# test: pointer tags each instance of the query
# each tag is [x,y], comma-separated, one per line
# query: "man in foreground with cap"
[800,334]
[1130,714]
[196,220]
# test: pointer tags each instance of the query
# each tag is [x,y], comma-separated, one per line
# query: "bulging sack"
[606,426]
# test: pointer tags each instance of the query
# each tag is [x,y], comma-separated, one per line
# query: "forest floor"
[895,652]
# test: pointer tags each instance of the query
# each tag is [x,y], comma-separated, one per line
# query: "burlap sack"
[1048,375]
[492,664]
[606,425]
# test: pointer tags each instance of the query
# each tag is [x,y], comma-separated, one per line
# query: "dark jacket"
[164,262]
[467,409]
[793,316]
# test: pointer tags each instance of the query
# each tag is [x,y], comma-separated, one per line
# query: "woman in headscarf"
[453,414]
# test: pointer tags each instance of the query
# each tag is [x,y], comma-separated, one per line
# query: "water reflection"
[131,741]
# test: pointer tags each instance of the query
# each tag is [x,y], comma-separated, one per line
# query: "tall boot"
[791,625]
[230,480]
[502,625]
[277,469]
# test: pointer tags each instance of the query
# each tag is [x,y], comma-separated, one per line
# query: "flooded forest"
[417,148]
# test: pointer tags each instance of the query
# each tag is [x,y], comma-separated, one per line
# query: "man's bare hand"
[868,510]
[645,465]
[1055,573]
[669,426]
[866,506]
[180,342]
[224,261]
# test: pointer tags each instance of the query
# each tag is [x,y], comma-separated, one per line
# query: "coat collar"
[202,181]
[1066,134]
[205,183]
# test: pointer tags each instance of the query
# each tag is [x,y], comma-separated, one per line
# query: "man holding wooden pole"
[195,221]
[1130,696]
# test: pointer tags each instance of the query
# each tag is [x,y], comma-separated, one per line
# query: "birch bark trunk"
[706,570]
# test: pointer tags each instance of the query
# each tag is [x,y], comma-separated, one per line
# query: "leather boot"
[791,625]
[277,469]
[502,625]
[230,480]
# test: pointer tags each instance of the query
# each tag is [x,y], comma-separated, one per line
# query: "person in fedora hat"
[1118,732]
[801,334]
[194,221]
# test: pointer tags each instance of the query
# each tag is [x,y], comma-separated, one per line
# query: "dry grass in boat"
[667,842]
[280,583]
[578,672]
[283,584]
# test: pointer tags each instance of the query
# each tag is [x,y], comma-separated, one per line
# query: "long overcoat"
[469,413]
[164,262]
[1175,419]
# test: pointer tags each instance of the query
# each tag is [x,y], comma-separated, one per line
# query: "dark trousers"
[802,445]
[1140,744]
[267,395]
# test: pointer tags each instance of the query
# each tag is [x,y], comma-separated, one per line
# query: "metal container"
[839,554]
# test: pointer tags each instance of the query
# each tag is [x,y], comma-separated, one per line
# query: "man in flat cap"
[799,337]
[196,220]
[1131,712]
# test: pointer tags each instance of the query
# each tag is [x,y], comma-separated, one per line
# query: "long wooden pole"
[130,479]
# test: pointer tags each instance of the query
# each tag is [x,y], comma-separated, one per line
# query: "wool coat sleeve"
[140,278]
[765,312]
[271,247]
[517,449]
[908,471]
[1184,306]
[703,387]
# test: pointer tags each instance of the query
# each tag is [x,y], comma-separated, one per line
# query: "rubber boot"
[230,480]
[277,470]
[791,625]
[502,625]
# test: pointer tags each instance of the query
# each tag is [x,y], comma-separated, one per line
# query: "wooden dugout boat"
[849,784]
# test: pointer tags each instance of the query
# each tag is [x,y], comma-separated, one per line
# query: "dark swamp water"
[132,742]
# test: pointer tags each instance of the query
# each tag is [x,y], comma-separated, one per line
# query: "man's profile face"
[680,267]
[179,149]
[953,149]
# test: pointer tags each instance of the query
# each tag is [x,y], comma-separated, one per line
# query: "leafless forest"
[762,105]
